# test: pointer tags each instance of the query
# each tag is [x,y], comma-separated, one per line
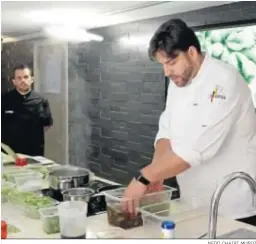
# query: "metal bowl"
[65,177]
[78,194]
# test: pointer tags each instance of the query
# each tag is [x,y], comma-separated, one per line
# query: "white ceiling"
[27,17]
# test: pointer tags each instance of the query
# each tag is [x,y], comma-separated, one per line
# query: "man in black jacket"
[25,115]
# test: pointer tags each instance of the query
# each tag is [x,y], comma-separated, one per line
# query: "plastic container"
[50,220]
[9,173]
[31,208]
[28,182]
[23,173]
[40,169]
[116,216]
[14,197]
[72,217]
[177,210]
[31,202]
[6,188]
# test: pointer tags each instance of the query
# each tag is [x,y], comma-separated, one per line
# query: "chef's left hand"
[134,192]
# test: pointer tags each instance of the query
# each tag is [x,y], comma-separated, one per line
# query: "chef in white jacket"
[207,130]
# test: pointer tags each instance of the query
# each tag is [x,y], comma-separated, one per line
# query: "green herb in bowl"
[50,219]
[32,204]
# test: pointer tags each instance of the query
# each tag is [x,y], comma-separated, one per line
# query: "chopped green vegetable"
[11,229]
[30,202]
[4,177]
[5,191]
[51,224]
[9,174]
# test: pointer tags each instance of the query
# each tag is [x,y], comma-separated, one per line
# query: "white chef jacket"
[211,124]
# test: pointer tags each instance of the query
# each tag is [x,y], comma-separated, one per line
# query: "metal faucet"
[212,226]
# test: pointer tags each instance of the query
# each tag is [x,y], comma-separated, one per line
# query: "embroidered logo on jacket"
[217,93]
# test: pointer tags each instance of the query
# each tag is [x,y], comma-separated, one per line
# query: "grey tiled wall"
[124,94]
[125,100]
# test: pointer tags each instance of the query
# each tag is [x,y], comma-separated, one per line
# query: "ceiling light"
[76,17]
[71,33]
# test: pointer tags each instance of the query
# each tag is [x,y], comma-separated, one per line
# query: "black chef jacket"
[23,120]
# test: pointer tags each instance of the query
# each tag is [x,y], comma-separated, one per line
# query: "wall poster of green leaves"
[236,46]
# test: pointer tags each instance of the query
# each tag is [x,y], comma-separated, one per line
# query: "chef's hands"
[132,195]
[156,186]
[134,192]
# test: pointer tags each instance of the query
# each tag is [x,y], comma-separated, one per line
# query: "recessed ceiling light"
[71,33]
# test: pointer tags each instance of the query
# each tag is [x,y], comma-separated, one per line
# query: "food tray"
[6,188]
[38,168]
[116,216]
[50,220]
[177,210]
[9,173]
[115,196]
[30,202]
[28,182]
[31,209]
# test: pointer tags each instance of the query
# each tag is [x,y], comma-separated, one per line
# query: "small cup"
[72,219]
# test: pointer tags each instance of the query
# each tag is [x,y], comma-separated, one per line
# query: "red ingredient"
[3,229]
[21,162]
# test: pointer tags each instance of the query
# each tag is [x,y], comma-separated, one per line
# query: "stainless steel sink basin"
[239,234]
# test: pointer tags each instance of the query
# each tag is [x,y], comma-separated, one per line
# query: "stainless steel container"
[78,194]
[66,177]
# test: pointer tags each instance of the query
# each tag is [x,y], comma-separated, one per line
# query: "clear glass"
[72,217]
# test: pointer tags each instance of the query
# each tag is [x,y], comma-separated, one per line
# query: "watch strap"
[142,179]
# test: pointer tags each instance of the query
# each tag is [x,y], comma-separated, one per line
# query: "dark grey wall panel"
[127,91]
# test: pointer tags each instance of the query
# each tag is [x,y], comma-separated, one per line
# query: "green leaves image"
[236,46]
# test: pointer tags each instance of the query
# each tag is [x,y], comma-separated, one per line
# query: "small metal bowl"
[78,194]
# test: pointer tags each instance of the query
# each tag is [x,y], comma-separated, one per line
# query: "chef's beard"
[185,78]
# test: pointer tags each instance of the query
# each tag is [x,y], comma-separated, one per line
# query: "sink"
[239,234]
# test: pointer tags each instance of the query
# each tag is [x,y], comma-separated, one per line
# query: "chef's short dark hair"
[20,67]
[171,37]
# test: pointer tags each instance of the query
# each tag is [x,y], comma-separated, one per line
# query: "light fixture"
[135,40]
[71,33]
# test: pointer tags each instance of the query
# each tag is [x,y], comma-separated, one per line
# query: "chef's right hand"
[129,206]
[156,186]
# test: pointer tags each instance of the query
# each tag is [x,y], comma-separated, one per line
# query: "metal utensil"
[78,194]
[66,177]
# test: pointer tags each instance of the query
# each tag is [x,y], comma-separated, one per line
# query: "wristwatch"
[139,177]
